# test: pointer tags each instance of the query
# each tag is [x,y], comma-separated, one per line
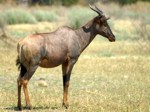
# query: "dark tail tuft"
[18,63]
[22,69]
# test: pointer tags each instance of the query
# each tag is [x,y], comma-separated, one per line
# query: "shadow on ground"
[34,108]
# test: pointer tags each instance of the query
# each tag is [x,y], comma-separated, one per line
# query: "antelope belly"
[45,63]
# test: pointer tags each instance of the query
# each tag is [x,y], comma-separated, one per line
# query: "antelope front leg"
[66,68]
[65,89]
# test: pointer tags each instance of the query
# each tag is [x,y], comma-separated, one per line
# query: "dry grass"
[21,30]
[100,82]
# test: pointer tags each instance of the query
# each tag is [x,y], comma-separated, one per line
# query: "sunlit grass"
[22,30]
[119,82]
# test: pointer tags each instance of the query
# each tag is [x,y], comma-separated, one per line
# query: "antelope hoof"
[66,105]
[19,108]
[29,107]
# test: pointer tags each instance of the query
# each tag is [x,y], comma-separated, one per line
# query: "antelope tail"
[18,63]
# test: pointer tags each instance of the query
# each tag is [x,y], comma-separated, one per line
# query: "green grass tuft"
[42,15]
[17,16]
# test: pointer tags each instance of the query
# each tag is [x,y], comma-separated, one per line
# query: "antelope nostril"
[112,38]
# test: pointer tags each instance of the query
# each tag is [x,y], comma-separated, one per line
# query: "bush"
[42,15]
[79,16]
[16,16]
[1,1]
[50,2]
[145,0]
[43,2]
[69,2]
[124,2]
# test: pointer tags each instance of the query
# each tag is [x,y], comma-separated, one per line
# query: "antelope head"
[102,26]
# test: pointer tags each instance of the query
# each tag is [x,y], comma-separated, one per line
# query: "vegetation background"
[108,76]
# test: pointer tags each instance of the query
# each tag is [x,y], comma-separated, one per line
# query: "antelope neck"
[86,34]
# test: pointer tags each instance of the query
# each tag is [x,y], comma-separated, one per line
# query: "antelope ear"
[97,20]
[103,19]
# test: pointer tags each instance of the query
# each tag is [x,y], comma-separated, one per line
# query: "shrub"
[42,15]
[69,2]
[79,16]
[50,2]
[146,0]
[16,16]
[124,2]
[1,1]
[43,2]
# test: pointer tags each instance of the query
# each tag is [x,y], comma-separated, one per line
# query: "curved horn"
[94,9]
[101,12]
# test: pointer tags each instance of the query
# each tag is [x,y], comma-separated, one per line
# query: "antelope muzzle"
[111,38]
